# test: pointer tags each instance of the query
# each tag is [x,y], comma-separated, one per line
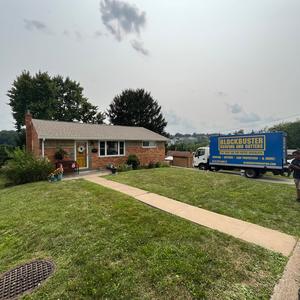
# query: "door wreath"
[81,149]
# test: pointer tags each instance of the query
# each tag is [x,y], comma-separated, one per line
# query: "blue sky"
[213,65]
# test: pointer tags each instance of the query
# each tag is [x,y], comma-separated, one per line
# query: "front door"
[81,154]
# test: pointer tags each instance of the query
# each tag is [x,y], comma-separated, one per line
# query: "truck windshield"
[200,152]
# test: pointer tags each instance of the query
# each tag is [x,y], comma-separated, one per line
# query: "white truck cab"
[201,158]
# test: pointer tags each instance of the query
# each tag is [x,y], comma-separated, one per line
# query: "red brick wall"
[51,146]
[145,155]
[32,141]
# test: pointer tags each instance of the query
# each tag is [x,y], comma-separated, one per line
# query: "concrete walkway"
[264,237]
[88,173]
[288,285]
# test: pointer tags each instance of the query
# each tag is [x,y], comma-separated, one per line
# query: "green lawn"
[267,204]
[107,245]
[2,182]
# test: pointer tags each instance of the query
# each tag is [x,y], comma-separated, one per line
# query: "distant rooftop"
[179,153]
[76,131]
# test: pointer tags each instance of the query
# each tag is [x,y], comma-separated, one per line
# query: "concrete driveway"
[269,178]
[265,178]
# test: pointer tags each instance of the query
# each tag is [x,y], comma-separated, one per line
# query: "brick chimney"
[29,131]
[28,118]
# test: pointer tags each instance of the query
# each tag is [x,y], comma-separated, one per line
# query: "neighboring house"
[181,158]
[93,145]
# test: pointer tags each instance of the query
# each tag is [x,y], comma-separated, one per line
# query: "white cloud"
[241,115]
[234,108]
[36,25]
[139,47]
[121,18]
[251,117]
[221,94]
[178,124]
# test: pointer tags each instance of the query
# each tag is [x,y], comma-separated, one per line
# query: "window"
[149,144]
[122,148]
[102,148]
[111,148]
[200,152]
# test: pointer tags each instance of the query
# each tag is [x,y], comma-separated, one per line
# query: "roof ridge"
[82,123]
[66,130]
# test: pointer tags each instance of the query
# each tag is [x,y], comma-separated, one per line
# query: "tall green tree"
[73,105]
[137,108]
[293,133]
[50,98]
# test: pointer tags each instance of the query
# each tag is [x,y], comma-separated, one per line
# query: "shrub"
[60,154]
[124,168]
[23,167]
[151,165]
[133,161]
[4,153]
[158,165]
[164,164]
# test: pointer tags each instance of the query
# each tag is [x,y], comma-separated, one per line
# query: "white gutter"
[43,147]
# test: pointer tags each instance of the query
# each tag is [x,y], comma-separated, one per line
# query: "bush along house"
[93,146]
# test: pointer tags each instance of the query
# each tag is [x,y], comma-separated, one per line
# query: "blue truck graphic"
[253,153]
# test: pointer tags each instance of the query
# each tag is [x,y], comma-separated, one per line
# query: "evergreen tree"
[137,108]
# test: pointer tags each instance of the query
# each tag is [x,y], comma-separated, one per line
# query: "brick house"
[93,146]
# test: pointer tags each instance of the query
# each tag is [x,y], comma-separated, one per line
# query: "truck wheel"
[202,167]
[251,173]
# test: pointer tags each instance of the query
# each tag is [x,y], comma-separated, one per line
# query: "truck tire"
[204,167]
[251,173]
[201,167]
[276,172]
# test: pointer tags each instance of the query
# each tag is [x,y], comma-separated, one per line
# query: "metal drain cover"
[24,278]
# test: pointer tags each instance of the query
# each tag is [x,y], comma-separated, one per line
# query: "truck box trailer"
[255,154]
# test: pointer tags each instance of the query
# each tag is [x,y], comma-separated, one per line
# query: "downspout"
[43,147]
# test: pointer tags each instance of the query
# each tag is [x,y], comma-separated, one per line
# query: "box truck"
[255,154]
